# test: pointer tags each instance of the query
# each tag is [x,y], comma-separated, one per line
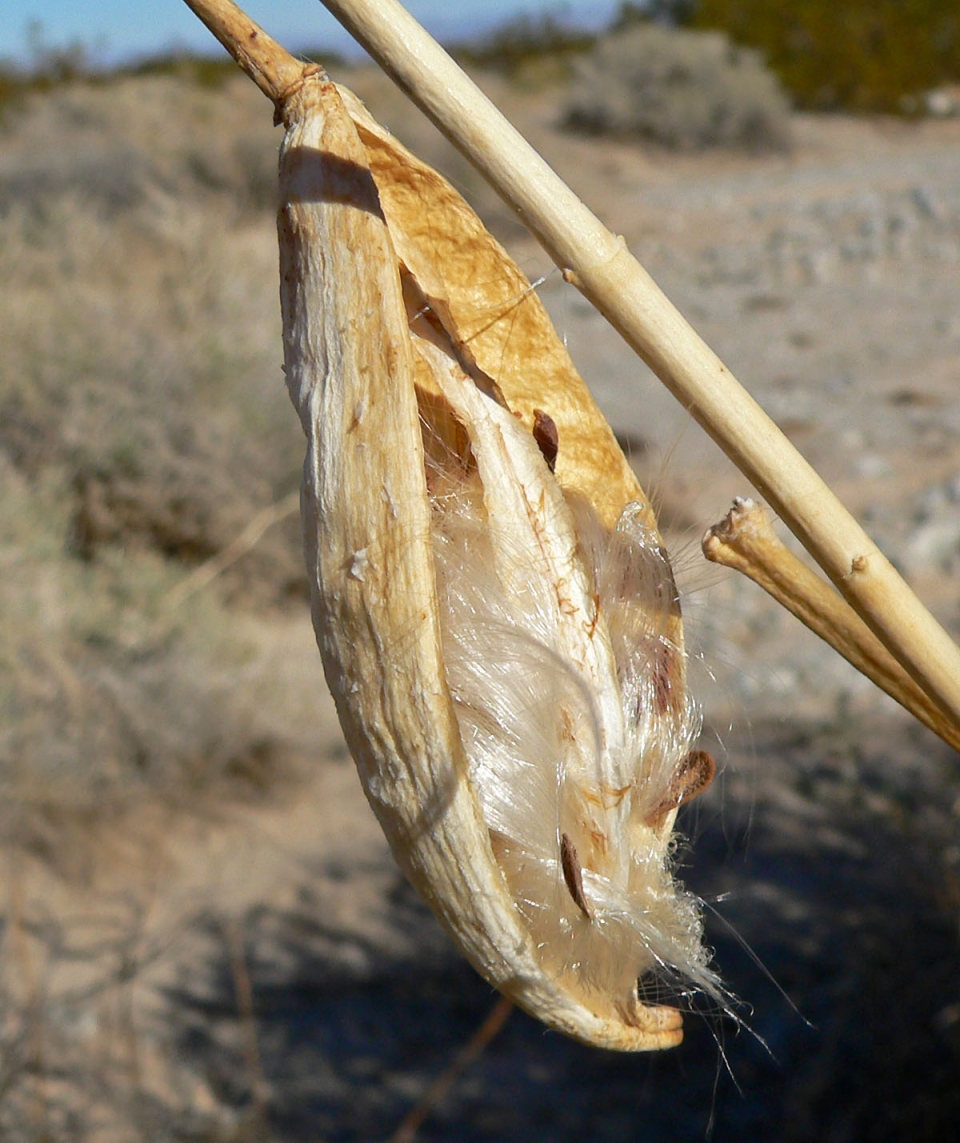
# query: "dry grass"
[684,90]
[143,425]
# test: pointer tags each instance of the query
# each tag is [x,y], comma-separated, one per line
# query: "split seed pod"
[495,612]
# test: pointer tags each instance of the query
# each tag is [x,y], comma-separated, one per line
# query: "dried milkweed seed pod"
[495,612]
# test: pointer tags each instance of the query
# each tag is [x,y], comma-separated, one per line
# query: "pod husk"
[351,371]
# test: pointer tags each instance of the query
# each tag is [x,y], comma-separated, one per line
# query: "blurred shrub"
[211,72]
[672,12]
[143,426]
[538,45]
[140,325]
[10,90]
[686,90]
[49,67]
[859,55]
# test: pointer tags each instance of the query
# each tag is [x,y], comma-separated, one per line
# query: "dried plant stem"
[25,968]
[600,265]
[272,68]
[243,990]
[247,540]
[745,541]
[494,1021]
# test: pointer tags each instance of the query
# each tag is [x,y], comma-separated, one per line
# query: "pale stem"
[600,265]
[271,67]
[745,541]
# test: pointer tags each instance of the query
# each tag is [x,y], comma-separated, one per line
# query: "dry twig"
[243,991]
[745,541]
[247,540]
[412,1122]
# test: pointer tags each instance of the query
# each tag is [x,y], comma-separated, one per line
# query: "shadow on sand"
[828,862]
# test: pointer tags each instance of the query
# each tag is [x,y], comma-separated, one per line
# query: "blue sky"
[120,29]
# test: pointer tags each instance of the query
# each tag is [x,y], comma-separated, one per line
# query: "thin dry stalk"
[271,68]
[26,969]
[131,961]
[208,571]
[243,990]
[495,1020]
[599,264]
[745,541]
[131,1045]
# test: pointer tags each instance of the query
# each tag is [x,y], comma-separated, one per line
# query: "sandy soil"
[829,851]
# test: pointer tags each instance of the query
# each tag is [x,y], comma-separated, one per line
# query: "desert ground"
[204,936]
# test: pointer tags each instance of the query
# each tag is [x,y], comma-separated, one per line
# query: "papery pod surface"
[481,556]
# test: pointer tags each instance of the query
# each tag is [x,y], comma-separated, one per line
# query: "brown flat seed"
[573,875]
[695,772]
[547,437]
